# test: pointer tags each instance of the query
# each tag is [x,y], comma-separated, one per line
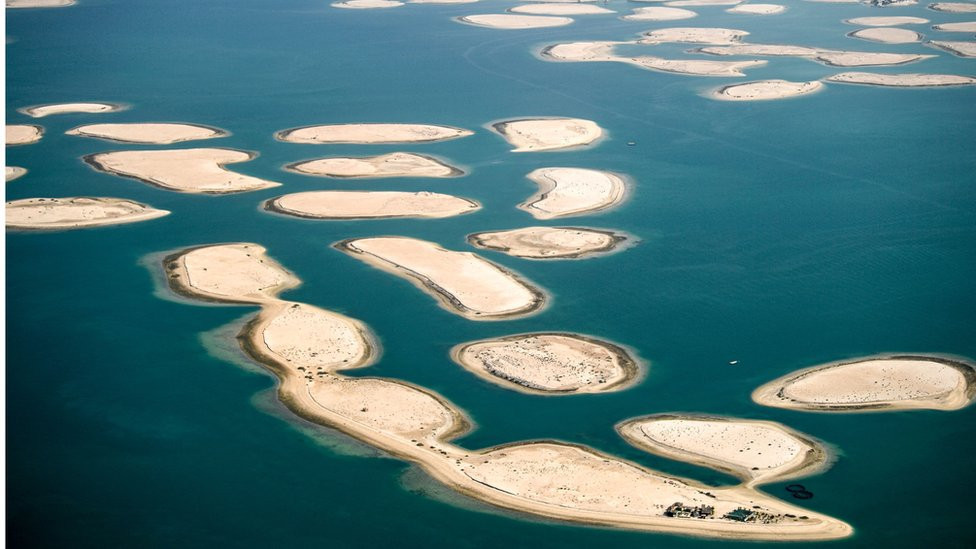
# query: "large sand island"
[397,164]
[23,134]
[758,452]
[565,192]
[764,90]
[462,282]
[371,133]
[40,111]
[76,213]
[956,47]
[183,170]
[579,52]
[547,134]
[549,242]
[148,134]
[370,204]
[895,382]
[307,348]
[549,363]
[913,80]
[514,22]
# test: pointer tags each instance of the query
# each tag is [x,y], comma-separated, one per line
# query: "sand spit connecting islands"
[370,205]
[23,134]
[371,133]
[566,192]
[462,282]
[898,382]
[548,242]
[397,164]
[307,348]
[148,134]
[548,134]
[183,170]
[549,363]
[40,111]
[76,213]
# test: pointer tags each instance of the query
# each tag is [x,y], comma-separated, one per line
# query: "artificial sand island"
[960,48]
[757,9]
[882,21]
[464,283]
[825,57]
[694,35]
[695,3]
[659,14]
[307,348]
[887,35]
[560,9]
[757,452]
[902,80]
[953,7]
[76,213]
[580,52]
[565,192]
[367,4]
[14,172]
[548,242]
[895,382]
[765,90]
[514,22]
[961,26]
[548,134]
[397,164]
[23,134]
[40,111]
[549,363]
[370,205]
[148,134]
[183,170]
[40,3]
[368,134]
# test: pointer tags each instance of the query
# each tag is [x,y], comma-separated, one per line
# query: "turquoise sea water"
[780,234]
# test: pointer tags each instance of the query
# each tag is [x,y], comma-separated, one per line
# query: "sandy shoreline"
[40,111]
[370,205]
[369,133]
[567,192]
[76,213]
[397,164]
[164,133]
[23,134]
[549,242]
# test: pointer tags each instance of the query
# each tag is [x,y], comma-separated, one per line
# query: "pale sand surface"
[549,363]
[760,49]
[371,133]
[560,9]
[234,273]
[442,1]
[152,133]
[23,134]
[39,3]
[902,80]
[692,3]
[953,7]
[694,35]
[548,242]
[462,282]
[13,172]
[76,212]
[39,111]
[579,52]
[370,204]
[367,4]
[882,21]
[764,90]
[547,134]
[757,9]
[308,346]
[565,192]
[962,49]
[183,170]
[835,1]
[961,26]
[397,164]
[874,383]
[867,59]
[756,451]
[660,14]
[887,35]
[510,22]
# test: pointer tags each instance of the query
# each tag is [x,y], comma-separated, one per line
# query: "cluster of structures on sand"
[739,514]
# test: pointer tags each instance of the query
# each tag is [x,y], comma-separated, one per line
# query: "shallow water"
[779,234]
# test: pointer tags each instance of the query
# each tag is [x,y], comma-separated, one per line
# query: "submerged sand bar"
[547,134]
[756,451]
[151,133]
[549,363]
[902,80]
[23,134]
[183,170]
[565,192]
[765,90]
[76,213]
[371,133]
[548,242]
[397,164]
[514,22]
[40,111]
[462,282]
[370,204]
[897,382]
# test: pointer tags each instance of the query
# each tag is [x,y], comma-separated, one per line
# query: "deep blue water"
[781,234]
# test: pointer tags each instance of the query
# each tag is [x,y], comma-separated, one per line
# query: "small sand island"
[40,111]
[549,363]
[370,205]
[548,242]
[548,134]
[371,133]
[397,164]
[560,9]
[694,35]
[694,3]
[882,21]
[960,48]
[76,213]
[953,7]
[896,382]
[148,134]
[659,14]
[580,52]
[183,170]
[514,22]
[961,26]
[367,4]
[565,192]
[757,9]
[758,452]
[23,134]
[887,35]
[230,273]
[902,80]
[14,172]
[765,90]
[462,282]
[40,3]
